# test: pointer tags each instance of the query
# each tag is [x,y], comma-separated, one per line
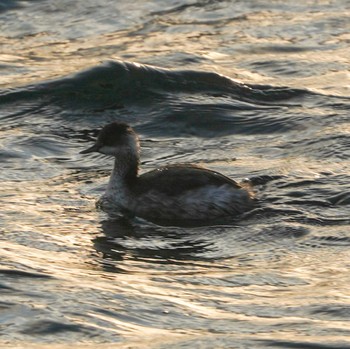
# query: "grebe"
[181,192]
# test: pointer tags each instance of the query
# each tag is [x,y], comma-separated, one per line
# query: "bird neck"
[124,172]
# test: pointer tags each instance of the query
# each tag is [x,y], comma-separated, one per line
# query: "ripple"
[23,274]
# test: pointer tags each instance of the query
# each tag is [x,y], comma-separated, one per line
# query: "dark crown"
[114,133]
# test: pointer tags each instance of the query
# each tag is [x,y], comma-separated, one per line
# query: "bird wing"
[176,179]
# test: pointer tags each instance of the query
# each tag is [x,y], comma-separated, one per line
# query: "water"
[253,89]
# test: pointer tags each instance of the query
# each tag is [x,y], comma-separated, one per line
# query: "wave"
[162,101]
[118,81]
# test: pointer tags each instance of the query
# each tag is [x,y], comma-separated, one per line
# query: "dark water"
[254,89]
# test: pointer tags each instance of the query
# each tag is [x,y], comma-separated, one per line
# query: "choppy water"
[254,89]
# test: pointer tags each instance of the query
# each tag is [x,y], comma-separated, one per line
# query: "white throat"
[117,191]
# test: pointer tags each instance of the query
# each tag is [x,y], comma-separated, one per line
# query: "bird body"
[180,192]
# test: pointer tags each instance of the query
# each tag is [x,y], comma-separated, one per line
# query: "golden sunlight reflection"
[70,275]
[56,240]
[43,56]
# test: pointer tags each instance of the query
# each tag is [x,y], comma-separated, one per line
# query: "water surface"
[256,90]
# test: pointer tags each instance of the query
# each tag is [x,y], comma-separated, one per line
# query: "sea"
[258,90]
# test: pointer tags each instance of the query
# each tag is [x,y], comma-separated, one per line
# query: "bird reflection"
[124,239]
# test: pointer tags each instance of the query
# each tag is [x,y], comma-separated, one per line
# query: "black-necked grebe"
[180,192]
